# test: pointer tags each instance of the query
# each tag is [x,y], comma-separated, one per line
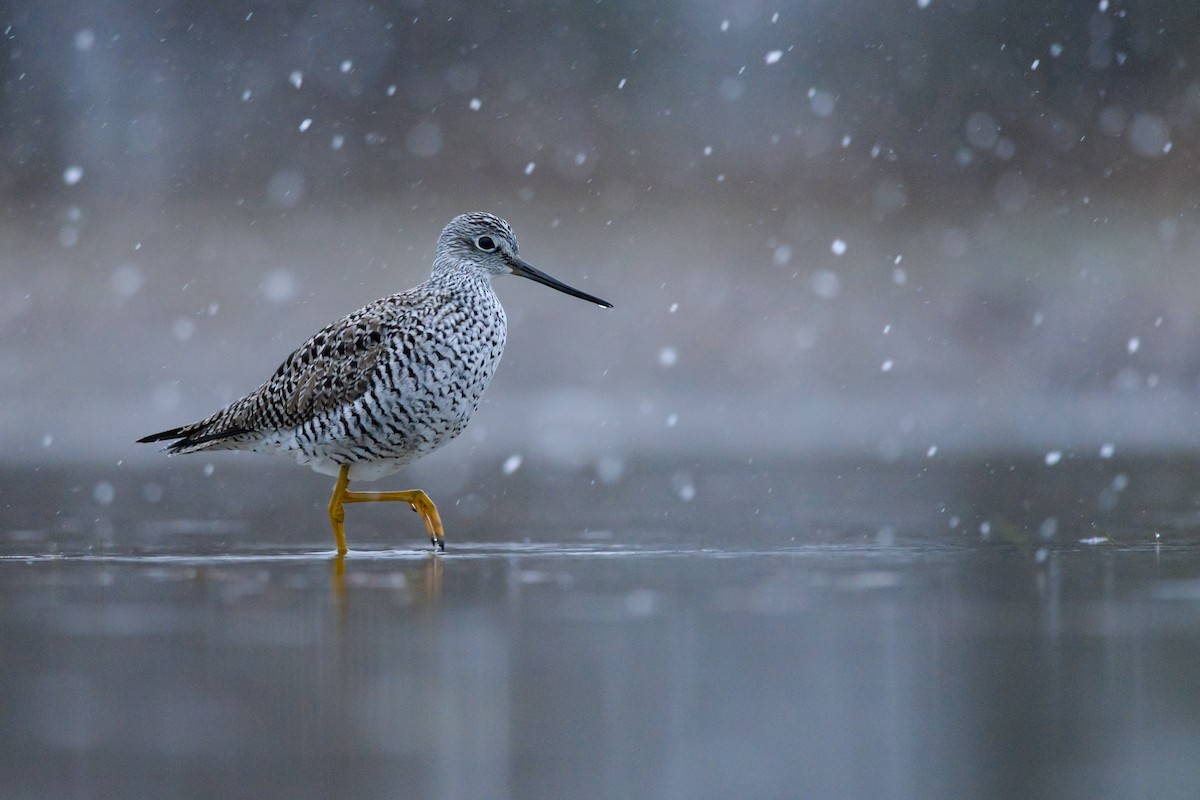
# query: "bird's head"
[485,243]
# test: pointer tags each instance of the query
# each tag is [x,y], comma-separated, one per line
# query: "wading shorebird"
[387,384]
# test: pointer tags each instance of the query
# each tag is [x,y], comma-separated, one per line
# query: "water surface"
[986,628]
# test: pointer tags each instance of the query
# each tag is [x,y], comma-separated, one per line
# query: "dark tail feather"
[189,437]
[164,436]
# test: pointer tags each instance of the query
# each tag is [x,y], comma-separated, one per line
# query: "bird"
[388,383]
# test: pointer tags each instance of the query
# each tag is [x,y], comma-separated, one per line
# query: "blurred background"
[889,229]
[877,481]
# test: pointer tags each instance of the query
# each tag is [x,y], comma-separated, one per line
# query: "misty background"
[885,229]
[877,480]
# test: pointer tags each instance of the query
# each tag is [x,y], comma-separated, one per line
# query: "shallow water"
[850,629]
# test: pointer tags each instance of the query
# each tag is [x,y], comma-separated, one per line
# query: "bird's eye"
[486,243]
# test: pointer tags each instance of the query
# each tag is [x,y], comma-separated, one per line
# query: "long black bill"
[519,267]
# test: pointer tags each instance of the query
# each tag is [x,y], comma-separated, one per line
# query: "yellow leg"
[337,514]
[417,499]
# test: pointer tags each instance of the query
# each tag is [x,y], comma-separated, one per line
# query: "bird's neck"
[460,280]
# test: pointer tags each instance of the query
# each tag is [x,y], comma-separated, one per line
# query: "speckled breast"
[422,393]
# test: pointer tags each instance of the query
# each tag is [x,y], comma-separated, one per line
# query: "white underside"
[328,459]
[359,471]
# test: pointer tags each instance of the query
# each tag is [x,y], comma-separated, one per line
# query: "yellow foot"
[417,499]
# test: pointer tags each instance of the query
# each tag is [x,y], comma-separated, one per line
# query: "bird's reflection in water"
[424,581]
[360,623]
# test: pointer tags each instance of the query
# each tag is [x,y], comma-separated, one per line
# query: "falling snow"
[279,286]
[684,486]
[821,102]
[988,292]
[610,469]
[826,284]
[511,464]
[85,40]
[183,328]
[1149,135]
[104,493]
[1049,528]
[126,280]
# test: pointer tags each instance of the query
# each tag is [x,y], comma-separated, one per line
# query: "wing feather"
[335,367]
